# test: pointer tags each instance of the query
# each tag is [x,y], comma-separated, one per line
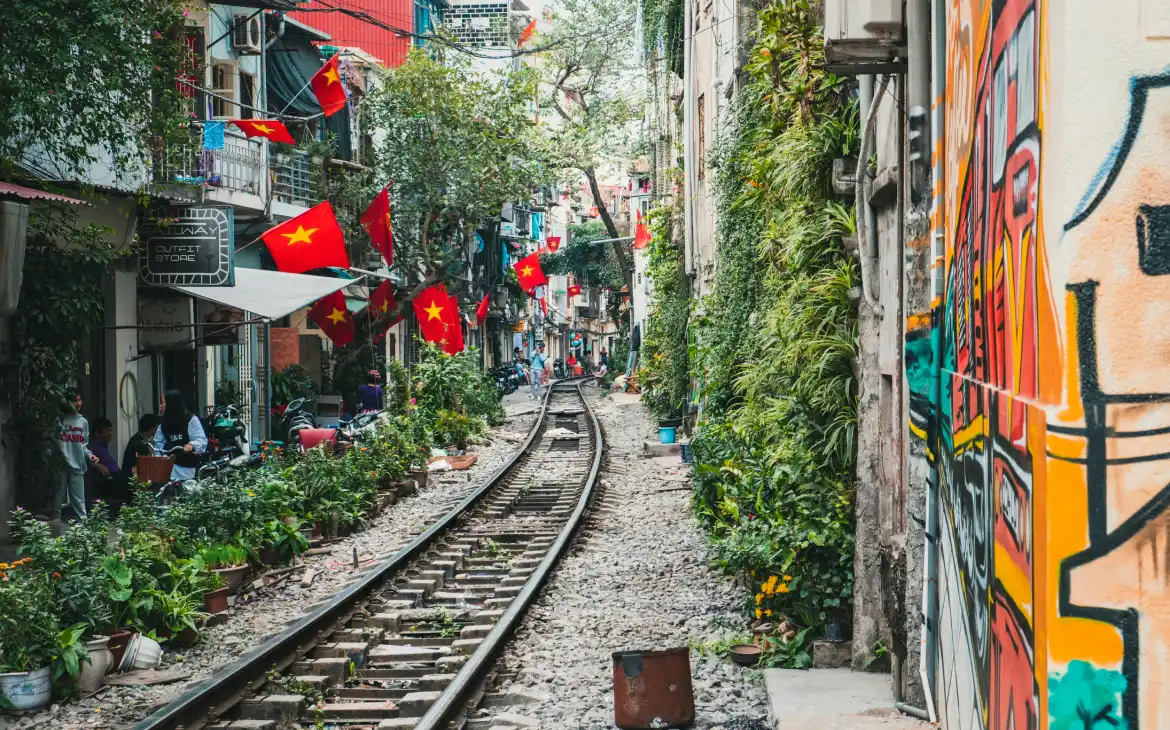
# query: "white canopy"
[268,294]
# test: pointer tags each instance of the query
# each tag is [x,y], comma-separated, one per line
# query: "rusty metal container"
[652,689]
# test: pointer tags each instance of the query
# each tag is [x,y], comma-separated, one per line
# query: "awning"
[268,294]
[32,194]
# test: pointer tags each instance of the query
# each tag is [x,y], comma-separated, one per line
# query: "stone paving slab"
[834,699]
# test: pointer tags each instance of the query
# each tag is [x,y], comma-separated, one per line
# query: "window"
[247,95]
[223,85]
[702,124]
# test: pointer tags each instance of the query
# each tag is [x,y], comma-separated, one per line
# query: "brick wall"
[286,347]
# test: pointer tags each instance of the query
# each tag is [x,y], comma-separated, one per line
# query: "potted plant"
[31,636]
[216,600]
[228,562]
[180,615]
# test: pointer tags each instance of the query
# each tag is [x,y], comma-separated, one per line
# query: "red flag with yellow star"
[312,240]
[554,242]
[453,335]
[574,290]
[429,308]
[529,272]
[376,221]
[641,234]
[334,318]
[328,87]
[526,34]
[481,310]
[382,299]
[266,128]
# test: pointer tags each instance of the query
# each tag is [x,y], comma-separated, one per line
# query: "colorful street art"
[1050,437]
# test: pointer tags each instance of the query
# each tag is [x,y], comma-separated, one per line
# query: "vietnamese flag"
[544,305]
[481,309]
[526,34]
[312,240]
[641,234]
[429,307]
[453,330]
[266,128]
[328,88]
[333,317]
[554,242]
[376,221]
[382,299]
[529,272]
[574,290]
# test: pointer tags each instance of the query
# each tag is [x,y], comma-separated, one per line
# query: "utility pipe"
[864,245]
[912,711]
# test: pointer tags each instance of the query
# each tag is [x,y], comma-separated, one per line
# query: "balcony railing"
[238,166]
[295,178]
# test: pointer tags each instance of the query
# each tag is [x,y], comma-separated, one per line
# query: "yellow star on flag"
[263,128]
[336,316]
[527,271]
[302,235]
[434,311]
[331,75]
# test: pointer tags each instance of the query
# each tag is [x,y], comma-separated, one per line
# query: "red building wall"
[346,30]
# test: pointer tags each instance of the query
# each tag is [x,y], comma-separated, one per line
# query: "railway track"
[414,643]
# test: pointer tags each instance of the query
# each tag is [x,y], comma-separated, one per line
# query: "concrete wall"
[1051,440]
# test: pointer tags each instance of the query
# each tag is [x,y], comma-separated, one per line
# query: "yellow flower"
[4,566]
[782,588]
[759,597]
[759,613]
[251,494]
[787,578]
[767,612]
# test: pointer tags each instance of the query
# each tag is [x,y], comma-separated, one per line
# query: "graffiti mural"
[990,440]
[1051,443]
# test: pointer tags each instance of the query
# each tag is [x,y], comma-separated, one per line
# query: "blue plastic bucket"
[666,435]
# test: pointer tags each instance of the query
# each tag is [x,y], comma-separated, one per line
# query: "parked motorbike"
[559,368]
[227,435]
[297,418]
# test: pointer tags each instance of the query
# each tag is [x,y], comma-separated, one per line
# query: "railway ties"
[414,644]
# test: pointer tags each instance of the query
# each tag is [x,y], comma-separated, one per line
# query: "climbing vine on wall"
[777,334]
[664,379]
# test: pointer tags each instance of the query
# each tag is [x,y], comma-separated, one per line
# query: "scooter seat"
[310,437]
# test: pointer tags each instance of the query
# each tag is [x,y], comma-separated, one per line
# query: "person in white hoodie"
[74,440]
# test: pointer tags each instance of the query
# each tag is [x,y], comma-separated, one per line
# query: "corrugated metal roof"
[34,194]
[348,31]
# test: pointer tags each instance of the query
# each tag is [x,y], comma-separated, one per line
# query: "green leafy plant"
[70,651]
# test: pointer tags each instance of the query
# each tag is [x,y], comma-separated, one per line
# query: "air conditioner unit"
[863,31]
[247,34]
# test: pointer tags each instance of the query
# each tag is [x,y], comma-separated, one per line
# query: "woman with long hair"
[180,427]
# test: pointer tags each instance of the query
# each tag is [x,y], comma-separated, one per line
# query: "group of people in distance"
[89,462]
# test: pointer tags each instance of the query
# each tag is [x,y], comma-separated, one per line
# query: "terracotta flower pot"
[232,576]
[216,601]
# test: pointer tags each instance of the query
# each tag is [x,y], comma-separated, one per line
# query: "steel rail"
[455,695]
[206,702]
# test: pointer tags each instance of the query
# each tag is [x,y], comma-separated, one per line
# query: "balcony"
[295,178]
[238,167]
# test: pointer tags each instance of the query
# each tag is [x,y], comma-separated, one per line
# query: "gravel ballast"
[638,580]
[264,613]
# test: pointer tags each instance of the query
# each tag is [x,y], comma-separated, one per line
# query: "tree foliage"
[591,263]
[455,146]
[585,83]
[84,77]
[665,377]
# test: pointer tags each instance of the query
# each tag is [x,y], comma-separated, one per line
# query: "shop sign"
[193,246]
[165,323]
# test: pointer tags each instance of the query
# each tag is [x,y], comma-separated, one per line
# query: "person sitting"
[370,397]
[180,428]
[105,468]
[139,445]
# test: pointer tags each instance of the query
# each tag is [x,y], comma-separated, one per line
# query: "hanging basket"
[155,469]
